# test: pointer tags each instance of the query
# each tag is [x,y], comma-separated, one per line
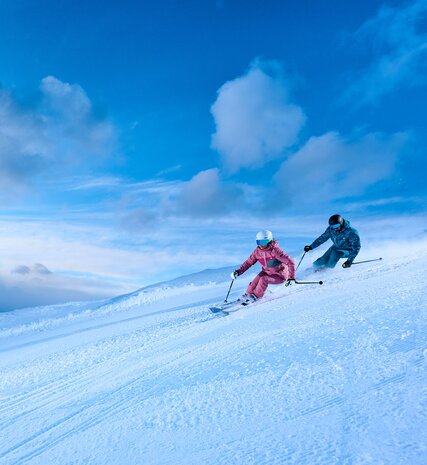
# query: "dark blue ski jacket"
[346,239]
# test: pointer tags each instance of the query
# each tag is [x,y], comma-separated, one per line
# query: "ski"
[224,307]
[218,310]
[236,305]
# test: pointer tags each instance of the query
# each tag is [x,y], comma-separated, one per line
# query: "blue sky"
[142,140]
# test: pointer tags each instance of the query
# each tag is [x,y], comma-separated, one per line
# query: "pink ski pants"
[259,285]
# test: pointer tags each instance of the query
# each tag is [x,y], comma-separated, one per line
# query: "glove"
[307,248]
[346,264]
[234,274]
[289,282]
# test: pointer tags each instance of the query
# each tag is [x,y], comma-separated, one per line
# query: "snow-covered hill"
[333,374]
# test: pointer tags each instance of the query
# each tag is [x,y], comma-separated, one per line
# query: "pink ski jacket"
[273,260]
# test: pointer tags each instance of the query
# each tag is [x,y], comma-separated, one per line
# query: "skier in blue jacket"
[346,243]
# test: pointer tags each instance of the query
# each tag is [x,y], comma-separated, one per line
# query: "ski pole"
[229,289]
[308,282]
[288,282]
[366,261]
[300,261]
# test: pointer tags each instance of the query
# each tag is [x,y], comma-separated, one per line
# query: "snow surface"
[332,374]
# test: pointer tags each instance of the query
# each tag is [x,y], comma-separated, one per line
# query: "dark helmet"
[336,219]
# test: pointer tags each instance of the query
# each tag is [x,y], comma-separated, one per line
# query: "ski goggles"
[263,242]
[336,226]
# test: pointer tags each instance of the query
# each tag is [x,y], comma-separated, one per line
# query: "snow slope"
[333,374]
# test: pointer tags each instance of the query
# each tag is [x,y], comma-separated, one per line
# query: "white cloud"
[140,220]
[331,167]
[24,146]
[205,195]
[398,42]
[169,170]
[68,100]
[70,120]
[145,205]
[56,134]
[35,270]
[94,182]
[255,121]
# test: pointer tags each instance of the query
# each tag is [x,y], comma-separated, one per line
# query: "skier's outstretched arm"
[247,264]
[321,239]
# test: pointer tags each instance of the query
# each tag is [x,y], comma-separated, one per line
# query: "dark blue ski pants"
[330,258]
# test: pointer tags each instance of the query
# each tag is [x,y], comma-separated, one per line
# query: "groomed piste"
[332,374]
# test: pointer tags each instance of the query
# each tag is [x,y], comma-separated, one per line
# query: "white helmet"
[264,237]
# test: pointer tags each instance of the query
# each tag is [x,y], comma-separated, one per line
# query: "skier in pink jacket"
[277,267]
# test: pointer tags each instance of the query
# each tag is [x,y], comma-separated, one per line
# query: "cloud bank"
[255,121]
[32,289]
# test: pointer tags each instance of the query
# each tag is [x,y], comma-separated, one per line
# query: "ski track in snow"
[332,374]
